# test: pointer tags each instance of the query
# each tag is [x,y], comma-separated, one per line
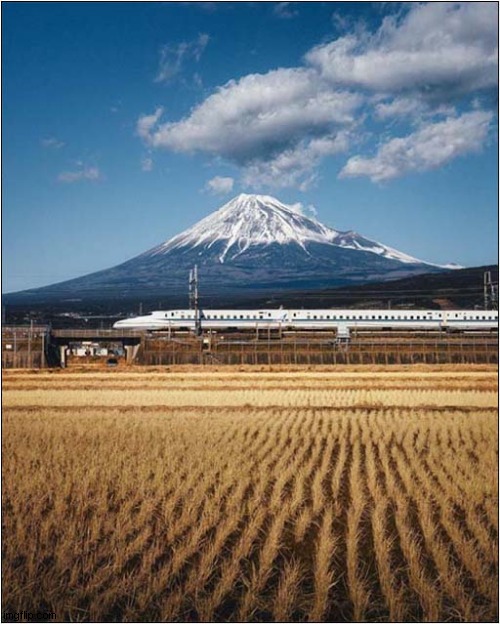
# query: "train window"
[315,316]
[327,316]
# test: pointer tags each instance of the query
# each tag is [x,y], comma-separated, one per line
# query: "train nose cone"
[119,324]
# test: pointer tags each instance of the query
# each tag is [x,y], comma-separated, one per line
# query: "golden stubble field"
[251,496]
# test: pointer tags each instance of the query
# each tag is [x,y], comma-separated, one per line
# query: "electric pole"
[193,298]
[490,292]
[486,289]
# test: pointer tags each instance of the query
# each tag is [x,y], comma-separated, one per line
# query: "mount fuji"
[252,244]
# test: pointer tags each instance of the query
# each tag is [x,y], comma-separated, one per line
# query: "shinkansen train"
[314,319]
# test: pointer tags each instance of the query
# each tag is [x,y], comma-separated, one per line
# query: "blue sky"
[125,123]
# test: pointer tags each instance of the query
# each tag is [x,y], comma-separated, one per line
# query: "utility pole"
[193,298]
[488,290]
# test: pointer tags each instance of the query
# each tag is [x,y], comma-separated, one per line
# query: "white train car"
[315,319]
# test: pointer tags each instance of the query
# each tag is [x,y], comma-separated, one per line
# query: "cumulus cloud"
[84,173]
[258,115]
[283,120]
[421,66]
[439,49]
[432,146]
[220,185]
[295,167]
[172,57]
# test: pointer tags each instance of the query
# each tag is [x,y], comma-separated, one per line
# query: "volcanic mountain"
[253,244]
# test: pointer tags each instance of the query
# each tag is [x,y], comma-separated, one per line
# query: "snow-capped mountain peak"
[249,220]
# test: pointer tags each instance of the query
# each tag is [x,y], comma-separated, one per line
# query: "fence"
[24,347]
[440,349]
[31,347]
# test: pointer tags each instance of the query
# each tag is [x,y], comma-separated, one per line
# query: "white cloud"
[399,107]
[285,10]
[147,122]
[306,211]
[311,209]
[262,121]
[296,166]
[439,49]
[220,185]
[207,7]
[432,146]
[422,65]
[84,173]
[172,57]
[52,143]
[147,164]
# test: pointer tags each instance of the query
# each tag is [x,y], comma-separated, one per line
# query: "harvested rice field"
[235,495]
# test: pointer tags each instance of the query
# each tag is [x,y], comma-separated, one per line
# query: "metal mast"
[193,298]
[490,292]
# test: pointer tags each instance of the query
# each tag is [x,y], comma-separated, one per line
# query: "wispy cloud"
[146,123]
[285,10]
[207,7]
[219,185]
[173,57]
[147,164]
[82,173]
[306,211]
[52,143]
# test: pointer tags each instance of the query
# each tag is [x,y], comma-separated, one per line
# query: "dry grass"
[235,496]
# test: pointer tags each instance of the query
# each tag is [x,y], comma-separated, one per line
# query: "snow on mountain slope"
[249,220]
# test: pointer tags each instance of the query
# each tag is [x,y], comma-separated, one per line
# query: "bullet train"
[315,319]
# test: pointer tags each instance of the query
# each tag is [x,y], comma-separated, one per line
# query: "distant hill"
[460,288]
